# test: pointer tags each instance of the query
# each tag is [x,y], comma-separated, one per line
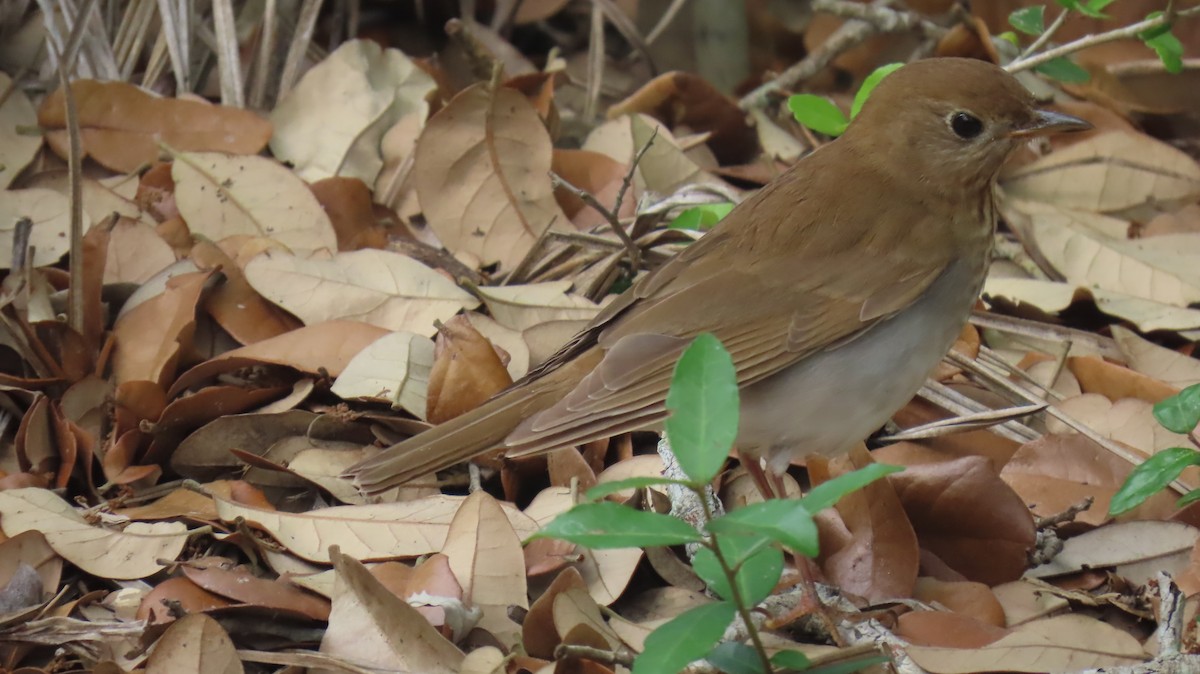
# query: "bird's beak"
[1046,122]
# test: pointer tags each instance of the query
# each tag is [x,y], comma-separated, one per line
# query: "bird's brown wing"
[836,298]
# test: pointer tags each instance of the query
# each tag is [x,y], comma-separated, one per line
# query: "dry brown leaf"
[347,202]
[1129,421]
[223,195]
[1025,600]
[180,593]
[966,515]
[509,341]
[485,554]
[133,552]
[378,287]
[222,577]
[1091,250]
[147,346]
[522,307]
[945,629]
[234,304]
[371,532]
[1053,297]
[681,99]
[1155,361]
[532,11]
[33,550]
[964,597]
[50,214]
[122,125]
[195,643]
[876,554]
[136,253]
[572,608]
[1113,172]
[481,171]
[371,627]
[1164,546]
[595,173]
[466,371]
[1056,472]
[101,198]
[17,150]
[324,348]
[538,635]
[394,368]
[348,100]
[1096,375]
[1062,643]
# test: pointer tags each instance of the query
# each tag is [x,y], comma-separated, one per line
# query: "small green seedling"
[1179,414]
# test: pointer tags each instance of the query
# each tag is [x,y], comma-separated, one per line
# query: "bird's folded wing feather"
[768,316]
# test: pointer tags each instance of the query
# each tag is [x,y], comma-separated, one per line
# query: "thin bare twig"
[867,20]
[1044,38]
[1125,32]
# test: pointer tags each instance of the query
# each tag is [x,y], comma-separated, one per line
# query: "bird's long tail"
[459,439]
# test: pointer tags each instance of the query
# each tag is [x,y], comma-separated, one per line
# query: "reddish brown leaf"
[123,125]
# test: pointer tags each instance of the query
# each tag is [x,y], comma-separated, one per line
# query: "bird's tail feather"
[459,439]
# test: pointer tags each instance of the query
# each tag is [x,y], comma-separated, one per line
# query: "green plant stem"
[1086,41]
[734,590]
[1045,36]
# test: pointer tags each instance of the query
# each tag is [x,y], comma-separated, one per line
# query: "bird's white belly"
[835,398]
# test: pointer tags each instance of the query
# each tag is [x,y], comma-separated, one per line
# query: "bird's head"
[953,120]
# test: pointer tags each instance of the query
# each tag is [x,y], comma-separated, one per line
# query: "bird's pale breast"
[826,403]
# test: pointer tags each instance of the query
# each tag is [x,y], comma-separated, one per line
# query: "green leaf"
[784,520]
[1029,20]
[818,113]
[734,657]
[1152,476]
[757,575]
[703,402]
[1165,44]
[1151,33]
[612,525]
[1188,498]
[848,666]
[701,217]
[1091,8]
[830,492]
[794,660]
[1010,37]
[869,85]
[688,637]
[1181,412]
[605,488]
[1064,70]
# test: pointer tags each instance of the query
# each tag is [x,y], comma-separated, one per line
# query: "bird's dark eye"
[965,125]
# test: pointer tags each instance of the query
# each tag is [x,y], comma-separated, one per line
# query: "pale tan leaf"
[383,288]
[101,198]
[1153,360]
[348,101]
[1024,601]
[482,168]
[1053,297]
[1076,244]
[608,572]
[505,338]
[394,368]
[132,552]
[1108,173]
[136,253]
[1125,543]
[1059,644]
[521,307]
[222,195]
[370,532]
[16,149]
[50,213]
[194,643]
[373,628]
[1128,420]
[485,556]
